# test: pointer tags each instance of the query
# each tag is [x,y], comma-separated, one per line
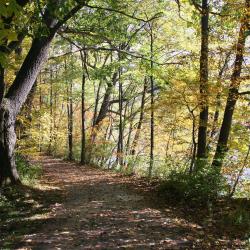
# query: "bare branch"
[244,93]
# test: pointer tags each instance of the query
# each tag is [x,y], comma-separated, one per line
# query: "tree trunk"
[139,126]
[106,100]
[130,127]
[83,148]
[194,143]
[40,108]
[19,90]
[51,115]
[120,139]
[11,106]
[218,100]
[233,94]
[96,103]
[151,163]
[203,120]
[7,143]
[70,122]
[104,107]
[2,83]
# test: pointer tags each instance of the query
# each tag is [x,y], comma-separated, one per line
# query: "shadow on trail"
[87,208]
[22,211]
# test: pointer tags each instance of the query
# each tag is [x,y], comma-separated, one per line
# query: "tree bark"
[120,139]
[83,148]
[7,143]
[203,119]
[19,90]
[130,127]
[12,103]
[194,143]
[104,107]
[2,83]
[233,93]
[96,103]
[152,125]
[70,121]
[51,114]
[218,100]
[139,126]
[106,100]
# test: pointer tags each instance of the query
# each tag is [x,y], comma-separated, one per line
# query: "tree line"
[146,87]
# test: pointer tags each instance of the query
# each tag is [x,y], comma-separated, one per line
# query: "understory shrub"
[239,218]
[28,172]
[197,188]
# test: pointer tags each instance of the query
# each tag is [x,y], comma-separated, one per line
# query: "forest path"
[88,208]
[103,210]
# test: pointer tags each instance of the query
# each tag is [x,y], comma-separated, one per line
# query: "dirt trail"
[87,208]
[98,210]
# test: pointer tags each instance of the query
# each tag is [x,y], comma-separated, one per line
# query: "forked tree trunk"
[12,104]
[104,107]
[19,90]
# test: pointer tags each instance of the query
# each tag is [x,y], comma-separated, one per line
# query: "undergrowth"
[207,189]
[29,173]
[195,188]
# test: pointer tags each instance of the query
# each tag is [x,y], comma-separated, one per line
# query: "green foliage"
[238,218]
[28,172]
[101,152]
[7,34]
[196,188]
[243,189]
[127,170]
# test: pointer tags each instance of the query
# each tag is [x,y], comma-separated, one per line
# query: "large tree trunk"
[233,94]
[203,120]
[7,143]
[12,104]
[19,90]
[2,84]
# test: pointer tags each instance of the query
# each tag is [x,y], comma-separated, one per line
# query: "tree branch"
[67,17]
[139,56]
[123,13]
[244,93]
